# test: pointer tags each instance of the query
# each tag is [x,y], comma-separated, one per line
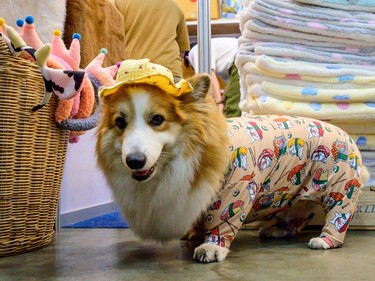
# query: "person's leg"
[232,94]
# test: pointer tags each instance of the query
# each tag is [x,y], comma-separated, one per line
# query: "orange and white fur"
[164,158]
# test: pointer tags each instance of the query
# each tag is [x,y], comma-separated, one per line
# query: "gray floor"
[115,254]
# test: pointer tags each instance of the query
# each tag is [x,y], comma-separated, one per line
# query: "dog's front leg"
[223,221]
[208,252]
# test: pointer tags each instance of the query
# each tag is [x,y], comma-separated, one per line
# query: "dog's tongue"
[141,173]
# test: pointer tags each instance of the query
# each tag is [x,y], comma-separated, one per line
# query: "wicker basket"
[32,155]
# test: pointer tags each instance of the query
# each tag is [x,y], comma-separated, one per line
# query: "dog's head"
[143,127]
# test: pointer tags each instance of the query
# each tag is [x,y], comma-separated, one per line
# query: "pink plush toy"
[71,57]
[103,75]
[68,59]
[99,76]
[82,107]
[77,90]
[28,32]
[64,83]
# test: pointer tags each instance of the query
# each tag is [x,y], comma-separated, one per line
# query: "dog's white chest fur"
[165,210]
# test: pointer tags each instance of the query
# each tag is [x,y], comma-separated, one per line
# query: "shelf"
[219,28]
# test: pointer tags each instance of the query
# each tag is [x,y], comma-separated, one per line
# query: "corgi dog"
[171,159]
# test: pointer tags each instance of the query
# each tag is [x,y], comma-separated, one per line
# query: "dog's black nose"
[136,161]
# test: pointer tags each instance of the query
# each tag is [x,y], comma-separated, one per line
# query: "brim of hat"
[159,81]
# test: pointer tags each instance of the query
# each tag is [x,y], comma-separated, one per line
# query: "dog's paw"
[272,231]
[318,244]
[209,253]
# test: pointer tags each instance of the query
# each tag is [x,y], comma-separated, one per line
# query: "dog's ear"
[201,84]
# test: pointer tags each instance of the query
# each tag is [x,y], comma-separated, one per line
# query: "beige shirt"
[155,29]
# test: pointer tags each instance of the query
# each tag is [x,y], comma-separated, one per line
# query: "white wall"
[83,184]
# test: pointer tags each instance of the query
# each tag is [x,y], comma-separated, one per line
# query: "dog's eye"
[157,120]
[120,123]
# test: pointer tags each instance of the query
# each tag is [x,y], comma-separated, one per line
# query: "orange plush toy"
[99,76]
[82,106]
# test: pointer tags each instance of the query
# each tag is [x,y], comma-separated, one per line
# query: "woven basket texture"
[32,155]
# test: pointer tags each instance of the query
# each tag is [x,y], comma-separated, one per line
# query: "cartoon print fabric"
[275,161]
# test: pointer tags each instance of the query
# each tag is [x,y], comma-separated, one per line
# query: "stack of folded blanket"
[311,57]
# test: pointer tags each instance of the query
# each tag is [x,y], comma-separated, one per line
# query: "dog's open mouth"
[143,175]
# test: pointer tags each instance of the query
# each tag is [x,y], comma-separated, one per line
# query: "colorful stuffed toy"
[68,59]
[71,57]
[83,105]
[99,76]
[76,89]
[28,32]
[64,83]
[15,46]
[2,26]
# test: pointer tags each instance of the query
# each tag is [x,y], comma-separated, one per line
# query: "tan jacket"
[155,29]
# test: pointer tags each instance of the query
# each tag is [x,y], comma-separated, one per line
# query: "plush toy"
[15,45]
[2,26]
[76,89]
[99,76]
[95,70]
[81,106]
[28,32]
[71,57]
[65,84]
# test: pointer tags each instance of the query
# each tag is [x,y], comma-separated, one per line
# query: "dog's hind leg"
[336,224]
[339,214]
[292,222]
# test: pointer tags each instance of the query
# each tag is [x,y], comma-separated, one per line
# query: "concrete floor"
[115,254]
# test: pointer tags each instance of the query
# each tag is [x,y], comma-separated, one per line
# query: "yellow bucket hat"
[143,71]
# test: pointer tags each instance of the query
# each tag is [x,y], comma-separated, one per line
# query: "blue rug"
[110,220]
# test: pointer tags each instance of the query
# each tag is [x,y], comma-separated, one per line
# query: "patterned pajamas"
[275,161]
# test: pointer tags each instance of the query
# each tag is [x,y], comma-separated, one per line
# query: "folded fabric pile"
[315,59]
[352,5]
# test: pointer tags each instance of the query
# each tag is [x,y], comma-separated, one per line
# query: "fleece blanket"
[329,78]
[342,73]
[303,73]
[102,26]
[311,94]
[49,15]
[352,5]
[361,30]
[294,10]
[365,56]
[259,35]
[252,78]
[294,58]
[323,111]
[364,142]
[357,128]
[261,31]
